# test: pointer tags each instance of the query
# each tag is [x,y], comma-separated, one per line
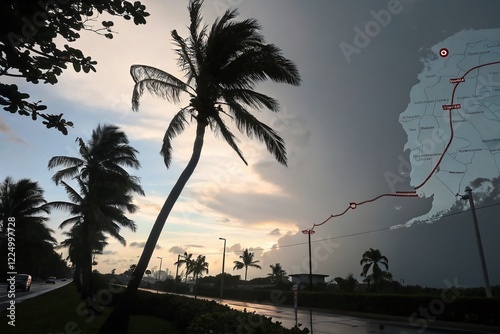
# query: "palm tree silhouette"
[277,273]
[246,261]
[75,247]
[187,261]
[222,65]
[22,203]
[373,259]
[197,267]
[105,191]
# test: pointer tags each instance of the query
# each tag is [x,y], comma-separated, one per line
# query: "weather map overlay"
[453,118]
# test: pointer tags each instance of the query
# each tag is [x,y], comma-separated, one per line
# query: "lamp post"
[159,273]
[177,270]
[487,287]
[309,232]
[223,262]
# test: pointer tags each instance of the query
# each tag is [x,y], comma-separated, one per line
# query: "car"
[23,282]
[63,279]
[50,279]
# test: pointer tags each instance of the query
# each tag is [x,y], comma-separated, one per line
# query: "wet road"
[327,323]
[323,322]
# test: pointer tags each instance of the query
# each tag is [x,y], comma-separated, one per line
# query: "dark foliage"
[30,45]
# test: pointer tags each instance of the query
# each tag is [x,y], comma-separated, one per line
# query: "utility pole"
[309,232]
[159,273]
[487,287]
[222,276]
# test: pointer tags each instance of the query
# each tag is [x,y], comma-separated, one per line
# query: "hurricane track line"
[413,193]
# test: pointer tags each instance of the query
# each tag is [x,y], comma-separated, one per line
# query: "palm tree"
[92,218]
[76,249]
[222,66]
[373,259]
[105,194]
[346,284]
[22,203]
[187,260]
[247,261]
[197,268]
[277,273]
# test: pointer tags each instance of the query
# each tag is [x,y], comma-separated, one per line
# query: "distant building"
[303,279]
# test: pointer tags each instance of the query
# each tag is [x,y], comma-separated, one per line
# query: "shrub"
[231,321]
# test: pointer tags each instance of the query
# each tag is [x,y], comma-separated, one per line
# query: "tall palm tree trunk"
[86,292]
[77,278]
[118,320]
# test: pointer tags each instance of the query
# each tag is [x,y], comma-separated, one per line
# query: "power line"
[388,228]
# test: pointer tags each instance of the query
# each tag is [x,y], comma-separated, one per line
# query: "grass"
[61,311]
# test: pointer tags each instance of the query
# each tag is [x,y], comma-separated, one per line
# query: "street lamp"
[159,273]
[177,270]
[309,232]
[223,262]
[487,287]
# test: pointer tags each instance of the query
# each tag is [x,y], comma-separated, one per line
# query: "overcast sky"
[341,128]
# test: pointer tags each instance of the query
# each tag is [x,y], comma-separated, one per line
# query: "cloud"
[275,232]
[256,249]
[176,250]
[113,261]
[194,246]
[142,245]
[109,252]
[235,248]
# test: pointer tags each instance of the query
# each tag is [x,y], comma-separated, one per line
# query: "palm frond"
[157,82]
[62,161]
[248,124]
[176,126]
[73,221]
[197,35]
[251,98]
[185,58]
[238,265]
[256,65]
[221,128]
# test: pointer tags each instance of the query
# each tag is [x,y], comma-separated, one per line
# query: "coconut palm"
[197,267]
[277,273]
[92,218]
[246,261]
[222,66]
[346,284]
[105,193]
[187,260]
[75,247]
[22,203]
[102,159]
[373,259]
